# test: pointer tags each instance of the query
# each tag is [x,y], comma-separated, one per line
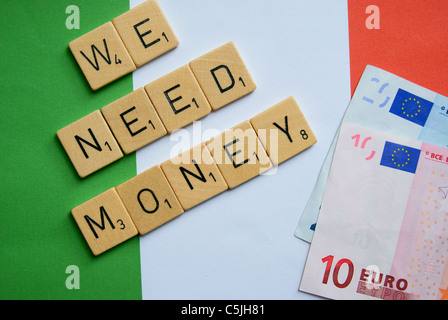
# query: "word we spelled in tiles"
[120,46]
[173,101]
[165,191]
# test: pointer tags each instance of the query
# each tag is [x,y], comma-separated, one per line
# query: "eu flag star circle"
[401,157]
[411,107]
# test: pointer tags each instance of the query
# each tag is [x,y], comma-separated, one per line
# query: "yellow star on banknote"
[444,294]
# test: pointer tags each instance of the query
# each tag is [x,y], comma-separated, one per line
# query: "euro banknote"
[389,103]
[382,228]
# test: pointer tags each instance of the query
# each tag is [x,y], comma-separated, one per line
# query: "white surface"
[240,244]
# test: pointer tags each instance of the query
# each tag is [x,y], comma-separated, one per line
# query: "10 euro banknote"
[382,228]
[385,102]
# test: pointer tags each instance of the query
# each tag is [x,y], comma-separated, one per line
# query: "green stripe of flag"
[43,90]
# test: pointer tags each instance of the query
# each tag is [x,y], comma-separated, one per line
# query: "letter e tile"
[134,121]
[239,154]
[178,98]
[145,32]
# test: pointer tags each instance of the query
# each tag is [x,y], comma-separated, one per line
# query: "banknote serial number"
[371,283]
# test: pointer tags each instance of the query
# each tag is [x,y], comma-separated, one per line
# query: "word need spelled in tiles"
[239,154]
[283,130]
[89,143]
[102,56]
[178,98]
[104,221]
[149,199]
[146,32]
[134,121]
[194,176]
[223,75]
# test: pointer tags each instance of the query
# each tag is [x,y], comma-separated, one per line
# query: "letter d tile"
[223,75]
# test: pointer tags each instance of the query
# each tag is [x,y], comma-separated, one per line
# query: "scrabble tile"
[89,143]
[146,32]
[134,121]
[239,154]
[194,176]
[102,56]
[104,221]
[178,98]
[223,76]
[283,130]
[149,199]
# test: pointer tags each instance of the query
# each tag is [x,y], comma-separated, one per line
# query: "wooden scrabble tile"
[194,176]
[178,98]
[223,75]
[145,32]
[89,143]
[133,121]
[283,130]
[104,221]
[149,199]
[239,154]
[102,56]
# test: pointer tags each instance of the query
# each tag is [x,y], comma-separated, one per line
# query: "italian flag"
[240,244]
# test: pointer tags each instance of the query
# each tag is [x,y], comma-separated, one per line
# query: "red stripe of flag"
[411,42]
